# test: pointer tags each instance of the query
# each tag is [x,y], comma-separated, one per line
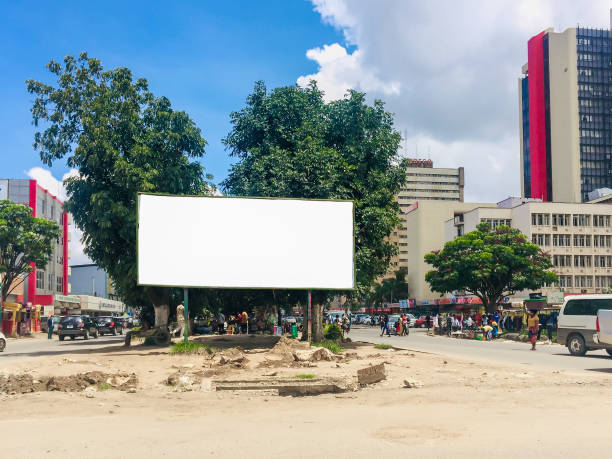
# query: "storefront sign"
[68,299]
[48,311]
[555,298]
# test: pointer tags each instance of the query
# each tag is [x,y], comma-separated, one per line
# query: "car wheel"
[576,345]
[609,351]
[2,345]
[72,337]
[61,337]
[101,334]
[86,335]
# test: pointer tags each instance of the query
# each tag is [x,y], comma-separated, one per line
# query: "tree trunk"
[160,297]
[305,323]
[317,323]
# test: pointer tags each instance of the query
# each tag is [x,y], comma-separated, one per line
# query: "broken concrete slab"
[372,374]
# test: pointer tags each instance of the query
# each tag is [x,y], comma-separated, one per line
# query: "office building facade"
[423,183]
[46,285]
[578,238]
[565,115]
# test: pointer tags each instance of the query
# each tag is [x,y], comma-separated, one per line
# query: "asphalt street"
[28,348]
[553,356]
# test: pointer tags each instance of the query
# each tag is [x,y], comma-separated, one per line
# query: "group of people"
[401,327]
[233,324]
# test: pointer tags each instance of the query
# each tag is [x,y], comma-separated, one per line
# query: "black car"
[108,324]
[74,326]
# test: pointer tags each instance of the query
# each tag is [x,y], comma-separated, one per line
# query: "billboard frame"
[240,197]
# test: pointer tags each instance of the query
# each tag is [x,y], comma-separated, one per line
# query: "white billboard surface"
[245,242]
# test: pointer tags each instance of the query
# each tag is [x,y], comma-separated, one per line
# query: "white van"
[577,322]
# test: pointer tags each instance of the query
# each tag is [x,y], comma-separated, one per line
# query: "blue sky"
[203,56]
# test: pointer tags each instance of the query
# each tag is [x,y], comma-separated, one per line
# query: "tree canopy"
[290,143]
[24,239]
[122,139]
[490,264]
[390,289]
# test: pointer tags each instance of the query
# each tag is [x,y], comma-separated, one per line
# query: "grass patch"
[383,346]
[189,348]
[331,345]
[103,386]
[305,376]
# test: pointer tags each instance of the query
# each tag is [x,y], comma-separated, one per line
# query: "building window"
[51,279]
[540,219]
[541,239]
[582,240]
[565,281]
[601,221]
[561,240]
[581,220]
[560,219]
[561,261]
[60,284]
[40,279]
[584,281]
[582,261]
[602,240]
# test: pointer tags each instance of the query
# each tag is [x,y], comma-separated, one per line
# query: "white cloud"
[45,179]
[448,71]
[340,71]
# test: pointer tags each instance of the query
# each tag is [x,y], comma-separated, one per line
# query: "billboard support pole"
[309,317]
[186,314]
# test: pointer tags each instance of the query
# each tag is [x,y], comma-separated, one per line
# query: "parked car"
[604,327]
[411,320]
[2,342]
[577,323]
[367,320]
[77,325]
[108,324]
[421,322]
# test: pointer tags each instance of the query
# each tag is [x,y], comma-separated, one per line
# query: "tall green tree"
[490,264]
[122,139]
[391,289]
[24,240]
[289,143]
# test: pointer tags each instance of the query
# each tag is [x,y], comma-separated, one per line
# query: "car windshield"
[104,319]
[72,319]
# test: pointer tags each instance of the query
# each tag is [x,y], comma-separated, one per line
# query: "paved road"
[27,348]
[552,356]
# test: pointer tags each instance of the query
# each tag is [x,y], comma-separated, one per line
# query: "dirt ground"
[146,403]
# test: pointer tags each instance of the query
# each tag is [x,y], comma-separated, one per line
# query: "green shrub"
[305,376]
[331,345]
[383,346]
[332,332]
[103,386]
[189,348]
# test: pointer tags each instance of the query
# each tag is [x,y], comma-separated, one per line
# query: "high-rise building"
[423,183]
[565,111]
[49,285]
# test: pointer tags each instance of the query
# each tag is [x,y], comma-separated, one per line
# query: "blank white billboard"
[245,242]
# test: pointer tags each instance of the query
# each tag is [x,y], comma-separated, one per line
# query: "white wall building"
[578,238]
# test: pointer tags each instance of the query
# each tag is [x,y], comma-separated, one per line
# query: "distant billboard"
[3,189]
[223,242]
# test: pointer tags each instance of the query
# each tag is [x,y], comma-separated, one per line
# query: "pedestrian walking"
[180,319]
[551,325]
[50,327]
[533,322]
[385,326]
[428,321]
